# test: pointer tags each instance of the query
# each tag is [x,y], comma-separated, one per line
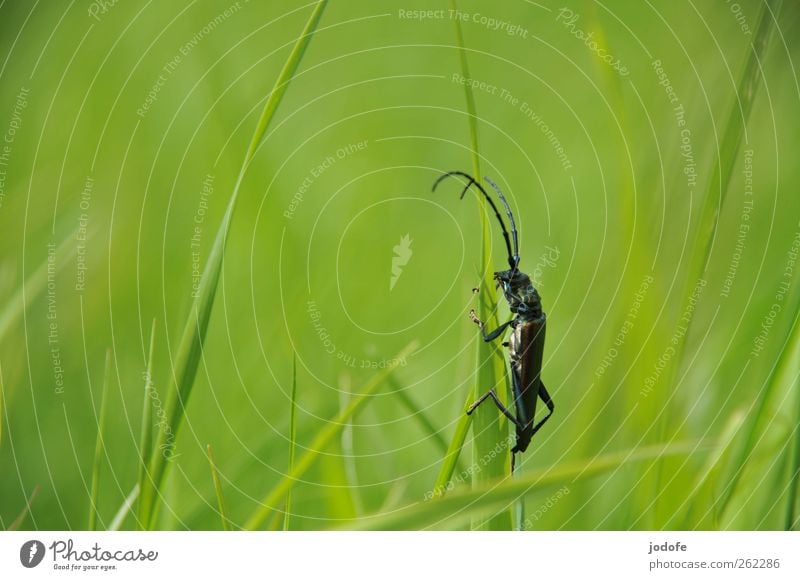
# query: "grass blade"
[25,511]
[191,344]
[785,373]
[223,513]
[716,193]
[146,431]
[705,479]
[124,510]
[457,507]
[418,414]
[292,440]
[488,431]
[34,285]
[749,82]
[99,445]
[792,521]
[453,451]
[2,404]
[323,438]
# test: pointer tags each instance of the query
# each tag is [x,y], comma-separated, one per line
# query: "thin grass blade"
[146,430]
[2,404]
[35,284]
[451,457]
[789,374]
[418,414]
[99,445]
[190,348]
[489,433]
[25,511]
[223,512]
[705,479]
[792,519]
[124,510]
[292,440]
[322,440]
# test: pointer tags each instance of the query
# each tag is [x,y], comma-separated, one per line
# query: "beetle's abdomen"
[526,348]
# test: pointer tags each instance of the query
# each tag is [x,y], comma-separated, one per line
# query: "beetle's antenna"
[513,259]
[514,234]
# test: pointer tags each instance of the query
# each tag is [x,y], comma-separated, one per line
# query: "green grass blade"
[459,506]
[292,440]
[321,441]
[718,186]
[223,512]
[190,347]
[749,81]
[472,117]
[792,520]
[34,285]
[124,510]
[418,414]
[146,431]
[2,404]
[488,430]
[705,479]
[716,193]
[25,511]
[453,451]
[785,373]
[99,445]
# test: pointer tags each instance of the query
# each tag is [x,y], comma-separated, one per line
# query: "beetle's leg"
[545,397]
[492,335]
[491,393]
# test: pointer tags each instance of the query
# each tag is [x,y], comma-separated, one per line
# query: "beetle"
[528,325]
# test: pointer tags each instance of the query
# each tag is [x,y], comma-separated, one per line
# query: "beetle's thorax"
[523,299]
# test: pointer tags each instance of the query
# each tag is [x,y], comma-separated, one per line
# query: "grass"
[223,512]
[721,170]
[99,446]
[287,513]
[496,496]
[146,429]
[488,425]
[190,348]
[20,519]
[371,444]
[321,441]
[419,415]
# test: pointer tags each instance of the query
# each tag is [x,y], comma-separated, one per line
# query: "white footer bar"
[400,555]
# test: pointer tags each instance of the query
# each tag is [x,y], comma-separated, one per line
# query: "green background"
[622,211]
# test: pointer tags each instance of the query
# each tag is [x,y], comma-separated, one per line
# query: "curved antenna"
[514,233]
[512,259]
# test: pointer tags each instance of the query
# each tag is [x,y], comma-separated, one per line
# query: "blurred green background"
[128,122]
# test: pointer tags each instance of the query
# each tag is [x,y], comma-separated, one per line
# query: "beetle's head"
[522,297]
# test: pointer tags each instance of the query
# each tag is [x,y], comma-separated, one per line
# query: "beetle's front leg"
[497,332]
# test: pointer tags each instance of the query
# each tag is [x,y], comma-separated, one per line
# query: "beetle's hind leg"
[493,395]
[545,397]
[496,333]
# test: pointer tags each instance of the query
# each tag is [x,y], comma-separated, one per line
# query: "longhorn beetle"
[526,343]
